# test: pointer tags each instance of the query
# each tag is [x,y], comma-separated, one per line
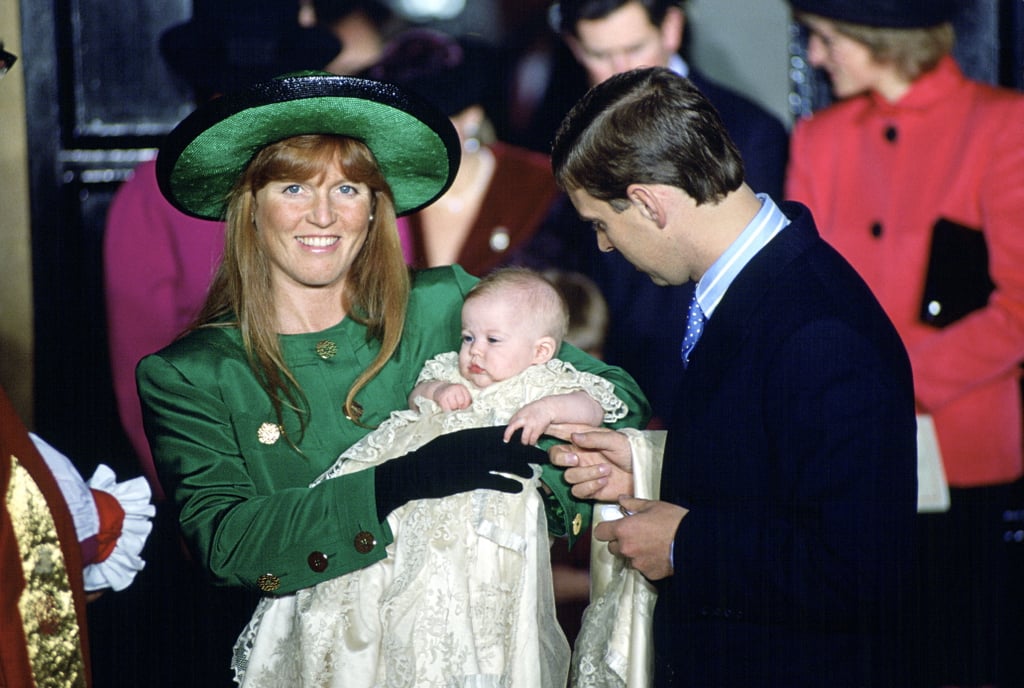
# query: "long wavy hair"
[376,288]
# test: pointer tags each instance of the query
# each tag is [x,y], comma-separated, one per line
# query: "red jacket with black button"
[878,176]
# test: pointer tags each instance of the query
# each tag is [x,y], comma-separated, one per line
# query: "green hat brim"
[415,145]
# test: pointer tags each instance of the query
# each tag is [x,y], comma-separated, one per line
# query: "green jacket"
[246,507]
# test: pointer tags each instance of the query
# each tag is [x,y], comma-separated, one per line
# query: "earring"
[472,143]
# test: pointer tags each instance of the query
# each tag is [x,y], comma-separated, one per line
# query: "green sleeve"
[626,387]
[567,515]
[245,507]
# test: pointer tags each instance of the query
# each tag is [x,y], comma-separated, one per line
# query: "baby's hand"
[451,397]
[534,419]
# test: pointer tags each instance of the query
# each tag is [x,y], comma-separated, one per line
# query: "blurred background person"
[363,27]
[916,175]
[609,37]
[496,208]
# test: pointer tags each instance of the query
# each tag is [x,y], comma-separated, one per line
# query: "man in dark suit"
[781,542]
[608,37]
[611,36]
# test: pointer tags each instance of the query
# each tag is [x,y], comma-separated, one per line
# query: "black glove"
[457,462]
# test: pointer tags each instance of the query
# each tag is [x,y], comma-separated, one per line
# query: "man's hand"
[644,536]
[599,464]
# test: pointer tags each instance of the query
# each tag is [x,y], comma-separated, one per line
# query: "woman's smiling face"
[312,230]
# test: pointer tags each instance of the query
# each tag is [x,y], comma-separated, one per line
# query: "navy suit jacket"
[793,445]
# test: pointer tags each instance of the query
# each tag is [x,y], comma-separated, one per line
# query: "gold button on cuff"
[326,349]
[268,582]
[269,433]
[364,542]
[577,524]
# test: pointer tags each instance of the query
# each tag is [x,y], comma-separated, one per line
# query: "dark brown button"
[891,134]
[876,229]
[365,542]
[317,561]
[268,582]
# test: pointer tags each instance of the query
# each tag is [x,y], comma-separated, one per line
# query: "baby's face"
[498,340]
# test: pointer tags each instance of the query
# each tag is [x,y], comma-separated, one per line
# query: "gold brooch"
[326,349]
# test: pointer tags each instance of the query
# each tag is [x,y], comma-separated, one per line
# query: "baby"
[465,595]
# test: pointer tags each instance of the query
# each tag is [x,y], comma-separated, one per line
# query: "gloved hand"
[457,462]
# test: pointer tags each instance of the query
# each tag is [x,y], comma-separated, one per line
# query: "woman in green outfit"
[314,331]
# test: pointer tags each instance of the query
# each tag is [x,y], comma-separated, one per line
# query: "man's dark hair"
[570,13]
[648,126]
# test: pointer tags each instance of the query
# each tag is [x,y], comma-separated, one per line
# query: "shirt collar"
[678,65]
[768,222]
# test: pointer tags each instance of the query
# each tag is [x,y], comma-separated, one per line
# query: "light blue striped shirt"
[768,222]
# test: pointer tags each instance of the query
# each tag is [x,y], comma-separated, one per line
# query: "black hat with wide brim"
[415,145]
[891,14]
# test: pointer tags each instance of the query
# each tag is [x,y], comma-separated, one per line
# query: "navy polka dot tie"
[694,328]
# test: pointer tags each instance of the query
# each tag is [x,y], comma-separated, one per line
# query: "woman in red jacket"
[913,153]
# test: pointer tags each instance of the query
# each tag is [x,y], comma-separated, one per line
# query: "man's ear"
[672,27]
[648,203]
[544,349]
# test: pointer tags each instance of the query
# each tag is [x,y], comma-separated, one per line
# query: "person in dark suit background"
[782,542]
[611,36]
[608,37]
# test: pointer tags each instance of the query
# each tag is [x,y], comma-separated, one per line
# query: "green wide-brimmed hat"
[203,157]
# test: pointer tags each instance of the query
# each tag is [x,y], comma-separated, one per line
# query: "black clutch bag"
[957,281]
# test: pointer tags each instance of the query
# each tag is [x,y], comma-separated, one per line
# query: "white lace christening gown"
[464,597]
